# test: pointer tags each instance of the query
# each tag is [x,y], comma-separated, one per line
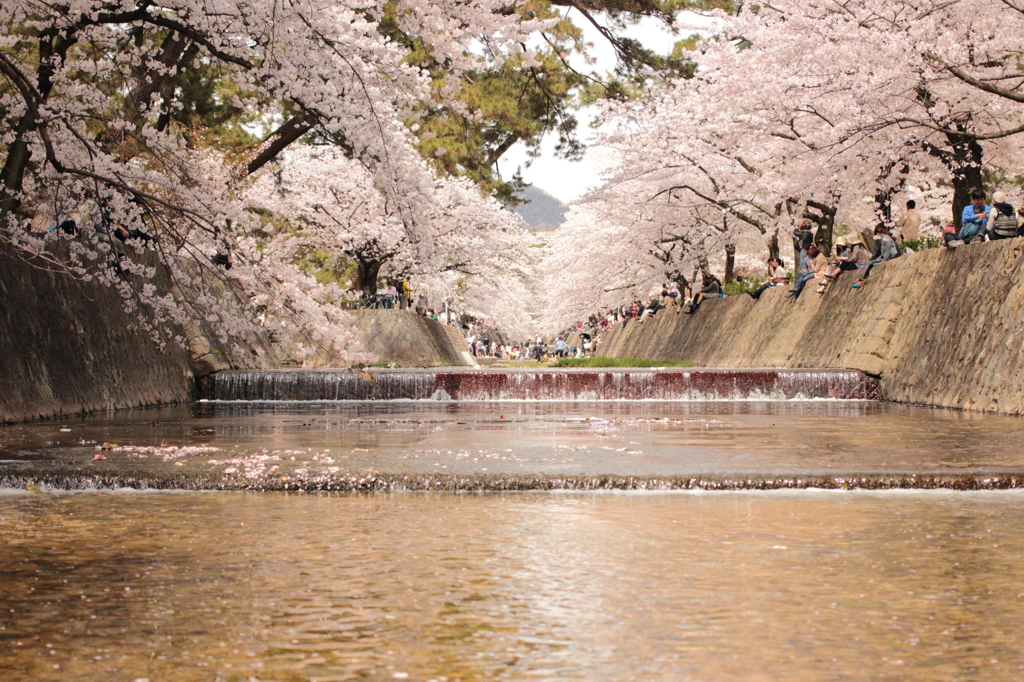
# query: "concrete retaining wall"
[411,340]
[68,347]
[939,327]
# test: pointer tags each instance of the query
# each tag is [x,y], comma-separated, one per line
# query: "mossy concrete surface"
[939,327]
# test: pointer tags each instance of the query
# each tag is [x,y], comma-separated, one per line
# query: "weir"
[563,385]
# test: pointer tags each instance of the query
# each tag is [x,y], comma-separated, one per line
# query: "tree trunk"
[702,262]
[869,239]
[883,207]
[730,263]
[366,274]
[773,245]
[966,172]
[887,190]
[679,278]
[962,158]
[825,218]
[13,173]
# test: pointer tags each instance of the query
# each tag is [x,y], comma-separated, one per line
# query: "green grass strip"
[619,362]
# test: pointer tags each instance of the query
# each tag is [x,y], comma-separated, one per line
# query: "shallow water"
[549,586]
[526,444]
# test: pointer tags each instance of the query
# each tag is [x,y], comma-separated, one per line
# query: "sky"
[568,180]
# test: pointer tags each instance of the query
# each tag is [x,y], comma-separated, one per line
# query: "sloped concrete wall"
[67,347]
[940,327]
[411,340]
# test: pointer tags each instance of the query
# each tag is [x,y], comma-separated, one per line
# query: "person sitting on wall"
[225,260]
[712,288]
[1003,222]
[776,276]
[654,306]
[66,225]
[673,292]
[885,249]
[972,221]
[816,264]
[836,263]
[948,227]
[124,234]
[858,255]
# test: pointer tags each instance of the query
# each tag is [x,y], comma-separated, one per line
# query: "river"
[797,539]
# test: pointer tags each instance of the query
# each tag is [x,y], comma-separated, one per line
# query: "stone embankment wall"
[67,347]
[411,340]
[939,327]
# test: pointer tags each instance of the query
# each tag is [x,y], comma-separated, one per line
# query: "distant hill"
[543,213]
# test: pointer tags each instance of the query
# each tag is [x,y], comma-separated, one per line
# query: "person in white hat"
[1003,221]
[834,264]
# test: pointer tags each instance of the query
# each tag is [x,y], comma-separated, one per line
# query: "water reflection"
[796,586]
[317,445]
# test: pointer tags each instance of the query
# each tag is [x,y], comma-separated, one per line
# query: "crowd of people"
[848,254]
[854,252]
[537,350]
[858,252]
[393,297]
[979,222]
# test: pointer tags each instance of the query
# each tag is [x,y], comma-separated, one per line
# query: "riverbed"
[795,585]
[804,539]
[391,445]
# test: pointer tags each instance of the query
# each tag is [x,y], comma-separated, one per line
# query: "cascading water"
[578,385]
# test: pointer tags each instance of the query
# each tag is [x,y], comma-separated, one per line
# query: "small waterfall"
[311,385]
[482,385]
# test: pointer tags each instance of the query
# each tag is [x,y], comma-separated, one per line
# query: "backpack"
[1005,225]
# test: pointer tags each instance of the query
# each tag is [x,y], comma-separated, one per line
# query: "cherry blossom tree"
[868,91]
[821,110]
[98,101]
[463,247]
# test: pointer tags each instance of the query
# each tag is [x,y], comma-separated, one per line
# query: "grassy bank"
[619,362]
